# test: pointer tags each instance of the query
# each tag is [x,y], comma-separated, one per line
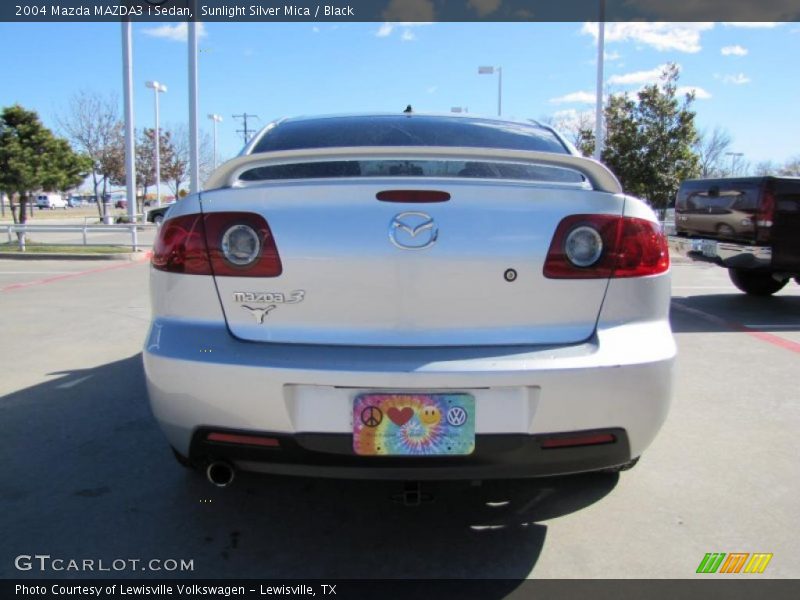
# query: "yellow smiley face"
[430,415]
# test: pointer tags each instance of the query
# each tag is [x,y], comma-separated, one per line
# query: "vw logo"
[456,416]
[413,231]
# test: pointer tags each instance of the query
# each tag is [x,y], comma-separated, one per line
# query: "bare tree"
[178,169]
[93,125]
[737,166]
[766,167]
[710,149]
[791,167]
[572,124]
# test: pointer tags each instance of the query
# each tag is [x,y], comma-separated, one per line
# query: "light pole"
[194,147]
[157,88]
[734,156]
[217,119]
[599,140]
[130,142]
[490,71]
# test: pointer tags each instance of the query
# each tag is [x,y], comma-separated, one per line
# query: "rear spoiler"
[600,178]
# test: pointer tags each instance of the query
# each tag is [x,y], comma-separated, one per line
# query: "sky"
[745,75]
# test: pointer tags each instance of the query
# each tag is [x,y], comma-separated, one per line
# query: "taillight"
[236,244]
[766,209]
[420,196]
[641,249]
[240,244]
[765,215]
[180,246]
[603,246]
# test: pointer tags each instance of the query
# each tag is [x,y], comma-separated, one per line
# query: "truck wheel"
[755,283]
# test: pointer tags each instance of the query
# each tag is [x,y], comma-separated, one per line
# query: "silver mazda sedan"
[409,296]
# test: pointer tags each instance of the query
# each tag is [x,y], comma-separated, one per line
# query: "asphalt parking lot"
[88,475]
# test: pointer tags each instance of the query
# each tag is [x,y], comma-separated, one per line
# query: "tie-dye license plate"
[413,424]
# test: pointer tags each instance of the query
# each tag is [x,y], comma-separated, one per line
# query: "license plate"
[413,424]
[709,248]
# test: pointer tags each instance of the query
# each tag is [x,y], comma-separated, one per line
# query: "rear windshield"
[415,168]
[415,130]
[714,196]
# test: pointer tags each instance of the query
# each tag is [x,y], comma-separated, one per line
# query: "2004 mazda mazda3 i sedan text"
[409,296]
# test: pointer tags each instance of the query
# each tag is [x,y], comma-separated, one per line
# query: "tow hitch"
[412,495]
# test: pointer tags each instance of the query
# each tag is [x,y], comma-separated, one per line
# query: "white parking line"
[701,287]
[33,272]
[73,383]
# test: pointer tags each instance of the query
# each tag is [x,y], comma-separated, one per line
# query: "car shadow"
[717,313]
[91,476]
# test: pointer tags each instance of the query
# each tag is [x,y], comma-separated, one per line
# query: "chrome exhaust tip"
[220,473]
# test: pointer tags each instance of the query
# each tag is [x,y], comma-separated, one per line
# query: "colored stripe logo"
[735,562]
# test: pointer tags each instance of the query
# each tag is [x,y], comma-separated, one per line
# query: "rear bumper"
[199,377]
[506,456]
[726,254]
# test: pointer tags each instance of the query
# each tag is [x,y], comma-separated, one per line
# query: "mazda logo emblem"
[413,231]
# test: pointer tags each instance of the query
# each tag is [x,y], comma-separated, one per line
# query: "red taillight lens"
[420,196]
[558,265]
[266,264]
[579,440]
[193,245]
[245,440]
[765,215]
[766,209]
[181,246]
[631,247]
[641,249]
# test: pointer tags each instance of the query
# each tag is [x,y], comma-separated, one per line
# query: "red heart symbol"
[400,416]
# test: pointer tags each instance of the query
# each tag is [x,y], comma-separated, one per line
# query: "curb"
[677,259]
[130,256]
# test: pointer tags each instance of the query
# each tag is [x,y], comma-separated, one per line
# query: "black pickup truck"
[750,225]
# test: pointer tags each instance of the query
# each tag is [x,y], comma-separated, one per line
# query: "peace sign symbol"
[371,416]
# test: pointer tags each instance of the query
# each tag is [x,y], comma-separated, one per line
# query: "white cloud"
[753,24]
[699,93]
[179,32]
[576,98]
[681,37]
[484,7]
[637,77]
[314,29]
[738,79]
[432,89]
[736,50]
[386,29]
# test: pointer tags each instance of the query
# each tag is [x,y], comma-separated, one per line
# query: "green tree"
[650,140]
[32,158]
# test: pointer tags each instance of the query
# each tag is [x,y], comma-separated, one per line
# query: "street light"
[157,88]
[734,156]
[490,71]
[217,119]
[599,138]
